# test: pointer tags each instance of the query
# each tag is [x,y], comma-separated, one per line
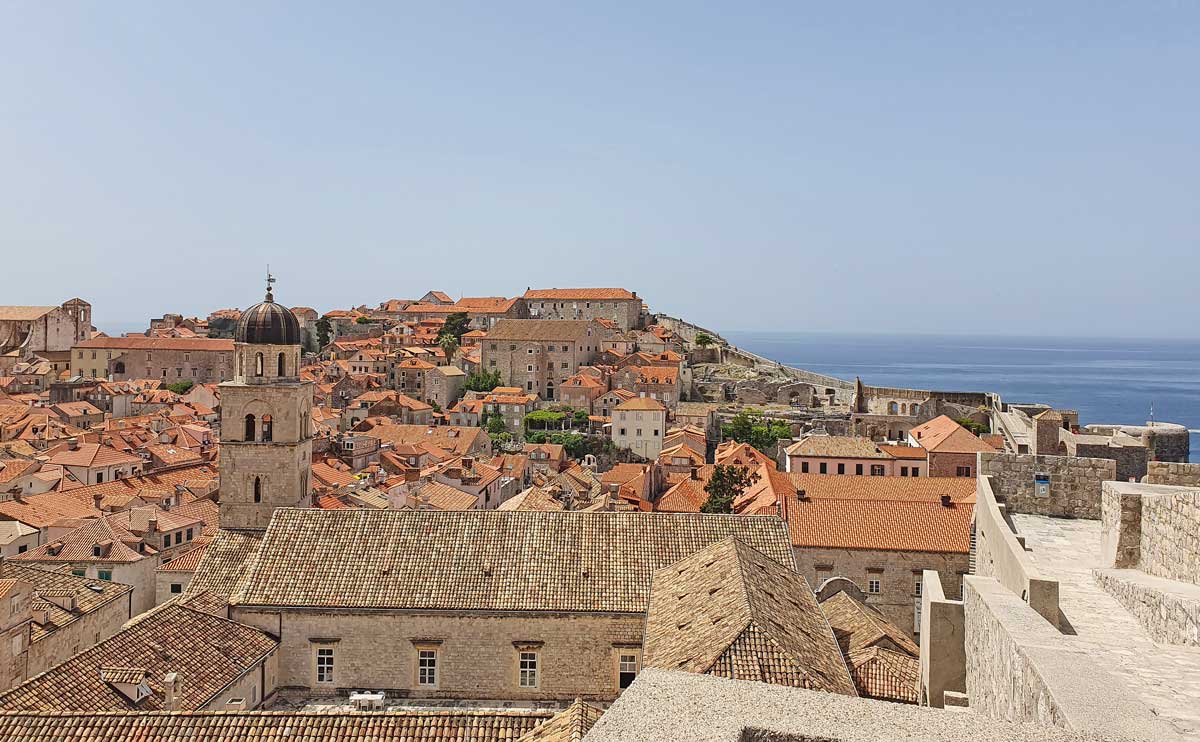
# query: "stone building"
[476,607]
[539,355]
[266,412]
[48,332]
[198,360]
[618,305]
[639,425]
[834,454]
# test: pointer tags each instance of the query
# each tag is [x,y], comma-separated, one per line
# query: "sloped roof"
[157,343]
[927,489]
[90,595]
[731,611]
[944,435]
[482,560]
[884,525]
[23,313]
[568,725]
[208,652]
[886,675]
[836,446]
[227,558]
[257,726]
[859,626]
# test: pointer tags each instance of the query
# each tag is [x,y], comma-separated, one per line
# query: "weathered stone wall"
[1170,536]
[1075,484]
[1180,475]
[477,652]
[1121,526]
[1169,613]
[75,636]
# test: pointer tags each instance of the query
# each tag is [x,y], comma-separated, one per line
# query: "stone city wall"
[1001,555]
[1170,612]
[1074,483]
[1180,475]
[1170,536]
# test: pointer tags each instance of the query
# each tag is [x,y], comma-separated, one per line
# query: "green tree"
[483,381]
[449,344]
[323,331]
[456,326]
[750,427]
[703,339]
[542,419]
[363,320]
[974,427]
[495,425]
[581,416]
[725,486]
[180,387]
[575,444]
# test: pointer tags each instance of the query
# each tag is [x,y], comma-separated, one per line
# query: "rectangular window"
[626,670]
[858,469]
[622,432]
[176,588]
[325,665]
[79,572]
[916,472]
[824,468]
[917,588]
[564,350]
[178,538]
[963,471]
[528,669]
[904,471]
[189,534]
[167,541]
[105,574]
[804,467]
[873,587]
[564,365]
[841,468]
[427,667]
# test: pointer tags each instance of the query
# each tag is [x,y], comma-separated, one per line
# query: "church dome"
[268,323]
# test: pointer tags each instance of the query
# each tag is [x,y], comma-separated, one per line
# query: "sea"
[1105,380]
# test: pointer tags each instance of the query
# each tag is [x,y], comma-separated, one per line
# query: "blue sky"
[884,167]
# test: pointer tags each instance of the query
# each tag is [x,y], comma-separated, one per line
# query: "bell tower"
[266,413]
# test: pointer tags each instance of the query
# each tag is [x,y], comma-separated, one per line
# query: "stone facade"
[48,332]
[199,360]
[618,305]
[1179,475]
[1074,484]
[1170,536]
[477,653]
[538,357]
[897,573]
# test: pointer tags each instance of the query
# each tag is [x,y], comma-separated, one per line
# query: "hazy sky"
[891,167]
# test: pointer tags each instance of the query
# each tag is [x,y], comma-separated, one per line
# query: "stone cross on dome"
[270,280]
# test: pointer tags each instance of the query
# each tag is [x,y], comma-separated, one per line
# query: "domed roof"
[268,323]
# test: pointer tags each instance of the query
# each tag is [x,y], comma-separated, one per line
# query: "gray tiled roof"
[482,560]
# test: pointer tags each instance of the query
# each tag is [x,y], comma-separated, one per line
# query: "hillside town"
[565,515]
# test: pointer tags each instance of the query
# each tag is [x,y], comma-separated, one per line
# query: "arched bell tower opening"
[266,442]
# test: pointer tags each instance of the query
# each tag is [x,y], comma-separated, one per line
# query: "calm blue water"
[1107,381]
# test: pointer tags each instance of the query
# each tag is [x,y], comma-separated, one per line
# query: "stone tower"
[266,413]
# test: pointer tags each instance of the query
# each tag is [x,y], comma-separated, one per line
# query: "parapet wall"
[1061,486]
[1021,669]
[1153,528]
[1001,555]
[943,664]
[1180,475]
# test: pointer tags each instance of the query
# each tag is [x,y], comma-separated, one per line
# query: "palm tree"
[448,344]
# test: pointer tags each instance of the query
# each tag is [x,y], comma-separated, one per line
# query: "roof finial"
[270,280]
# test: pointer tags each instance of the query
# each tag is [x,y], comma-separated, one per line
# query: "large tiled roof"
[944,435]
[158,482]
[90,595]
[116,545]
[906,453]
[884,674]
[46,509]
[859,626]
[455,439]
[882,659]
[149,343]
[275,726]
[731,611]
[568,294]
[843,487]
[569,725]
[225,563]
[207,652]
[538,329]
[836,446]
[480,560]
[885,525]
[23,313]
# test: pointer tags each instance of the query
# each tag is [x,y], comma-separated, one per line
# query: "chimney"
[946,501]
[468,463]
[73,444]
[97,500]
[152,523]
[171,688]
[235,704]
[801,495]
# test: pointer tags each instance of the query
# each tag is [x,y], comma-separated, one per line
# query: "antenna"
[270,280]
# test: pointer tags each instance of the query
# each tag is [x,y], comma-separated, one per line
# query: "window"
[622,432]
[178,538]
[22,548]
[626,670]
[14,605]
[564,350]
[176,588]
[917,587]
[79,572]
[904,471]
[529,368]
[529,351]
[877,470]
[963,471]
[257,489]
[266,429]
[427,667]
[824,468]
[527,667]
[105,574]
[873,586]
[99,477]
[916,471]
[189,534]
[258,364]
[325,665]
[167,541]
[804,467]
[841,468]
[248,435]
[564,365]
[279,372]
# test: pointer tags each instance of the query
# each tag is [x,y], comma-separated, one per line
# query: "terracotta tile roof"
[23,313]
[116,545]
[886,675]
[148,343]
[568,725]
[484,304]
[906,453]
[171,455]
[539,329]
[884,525]
[483,560]
[260,726]
[928,489]
[732,452]
[227,560]
[444,497]
[534,498]
[204,510]
[731,611]
[681,451]
[331,477]
[686,496]
[622,473]
[10,469]
[943,435]
[89,595]
[186,562]
[642,403]
[858,626]
[585,294]
[164,481]
[208,652]
[42,511]
[836,446]
[656,374]
[451,438]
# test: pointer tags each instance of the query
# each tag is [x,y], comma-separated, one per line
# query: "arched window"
[303,425]
[257,489]
[119,367]
[249,428]
[914,409]
[241,370]
[280,371]
[892,409]
[266,428]
[258,364]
